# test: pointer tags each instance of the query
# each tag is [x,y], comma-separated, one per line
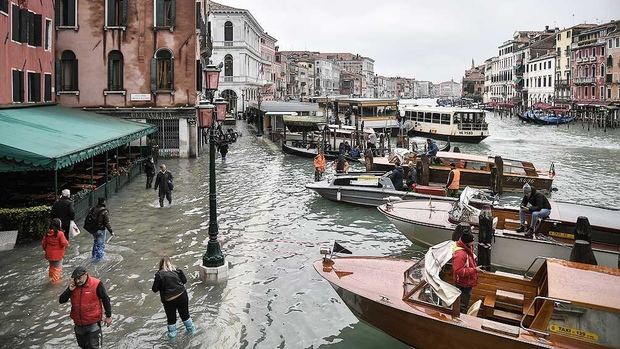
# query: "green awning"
[51,137]
[297,123]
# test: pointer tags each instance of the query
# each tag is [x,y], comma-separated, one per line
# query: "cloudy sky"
[429,40]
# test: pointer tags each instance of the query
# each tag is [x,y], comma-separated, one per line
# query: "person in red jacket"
[87,296]
[54,244]
[464,268]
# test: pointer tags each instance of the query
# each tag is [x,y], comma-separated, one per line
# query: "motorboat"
[563,305]
[479,171]
[428,223]
[370,189]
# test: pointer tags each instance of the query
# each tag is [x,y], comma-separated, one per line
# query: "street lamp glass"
[205,114]
[212,77]
[220,105]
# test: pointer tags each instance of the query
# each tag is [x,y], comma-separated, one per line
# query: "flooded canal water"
[271,228]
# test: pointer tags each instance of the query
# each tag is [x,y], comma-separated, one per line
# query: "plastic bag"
[73,229]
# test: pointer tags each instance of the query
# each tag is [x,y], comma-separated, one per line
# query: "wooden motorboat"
[564,305]
[428,223]
[312,152]
[370,189]
[478,171]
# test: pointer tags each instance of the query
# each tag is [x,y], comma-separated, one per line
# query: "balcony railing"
[242,79]
[587,80]
[562,82]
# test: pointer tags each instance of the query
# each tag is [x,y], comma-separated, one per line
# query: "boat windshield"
[473,121]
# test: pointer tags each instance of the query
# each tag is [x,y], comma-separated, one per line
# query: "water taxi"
[454,124]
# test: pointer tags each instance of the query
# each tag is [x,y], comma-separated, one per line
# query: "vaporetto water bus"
[454,124]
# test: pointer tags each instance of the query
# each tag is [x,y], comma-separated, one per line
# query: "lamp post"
[214,267]
[259,125]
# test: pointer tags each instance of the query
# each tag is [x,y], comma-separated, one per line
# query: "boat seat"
[511,224]
[509,330]
[507,316]
[506,306]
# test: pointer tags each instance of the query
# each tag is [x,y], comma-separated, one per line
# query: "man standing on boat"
[319,166]
[464,268]
[454,181]
[431,149]
[397,176]
[539,208]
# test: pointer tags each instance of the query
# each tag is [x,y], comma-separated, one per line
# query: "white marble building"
[539,79]
[237,39]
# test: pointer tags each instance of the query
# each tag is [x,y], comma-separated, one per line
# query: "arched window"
[228,31]
[115,71]
[593,70]
[68,74]
[228,65]
[162,71]
[602,70]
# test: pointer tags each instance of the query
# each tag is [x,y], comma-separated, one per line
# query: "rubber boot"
[172,331]
[189,326]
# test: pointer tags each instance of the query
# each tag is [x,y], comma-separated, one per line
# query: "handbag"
[170,185]
[73,229]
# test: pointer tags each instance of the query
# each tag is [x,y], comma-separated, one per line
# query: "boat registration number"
[574,332]
[561,235]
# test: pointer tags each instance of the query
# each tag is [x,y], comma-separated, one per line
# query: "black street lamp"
[209,117]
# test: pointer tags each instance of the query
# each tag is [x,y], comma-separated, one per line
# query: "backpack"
[91,223]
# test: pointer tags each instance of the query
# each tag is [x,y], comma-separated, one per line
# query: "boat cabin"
[376,113]
[459,124]
[564,304]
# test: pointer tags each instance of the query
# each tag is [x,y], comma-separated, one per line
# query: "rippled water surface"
[271,228]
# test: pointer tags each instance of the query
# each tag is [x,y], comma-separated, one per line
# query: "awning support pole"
[129,171]
[106,174]
[92,183]
[55,183]
[118,173]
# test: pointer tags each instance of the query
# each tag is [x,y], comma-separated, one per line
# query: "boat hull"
[365,196]
[508,251]
[452,138]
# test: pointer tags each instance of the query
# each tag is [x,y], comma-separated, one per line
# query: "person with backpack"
[170,283]
[63,210]
[98,224]
[165,185]
[54,244]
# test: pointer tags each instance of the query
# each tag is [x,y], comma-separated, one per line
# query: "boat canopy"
[435,258]
[303,123]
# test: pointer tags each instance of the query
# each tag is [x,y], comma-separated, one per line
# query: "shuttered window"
[165,13]
[228,31]
[115,71]
[4,6]
[162,71]
[34,87]
[68,72]
[198,75]
[18,86]
[116,13]
[65,13]
[48,88]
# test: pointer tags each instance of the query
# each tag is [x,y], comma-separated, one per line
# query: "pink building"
[134,59]
[26,52]
[588,66]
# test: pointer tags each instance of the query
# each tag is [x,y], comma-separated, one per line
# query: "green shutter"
[159,13]
[173,13]
[70,12]
[74,76]
[58,72]
[153,75]
[15,23]
[23,25]
[110,18]
[110,74]
[57,12]
[125,13]
[171,75]
[38,21]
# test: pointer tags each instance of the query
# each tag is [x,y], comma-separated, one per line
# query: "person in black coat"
[63,210]
[539,207]
[149,169]
[170,283]
[164,183]
[397,176]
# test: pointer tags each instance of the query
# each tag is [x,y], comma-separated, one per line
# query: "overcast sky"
[428,40]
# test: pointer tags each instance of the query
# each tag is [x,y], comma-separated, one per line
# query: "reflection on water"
[271,229]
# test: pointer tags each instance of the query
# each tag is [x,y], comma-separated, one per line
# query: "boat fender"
[338,195]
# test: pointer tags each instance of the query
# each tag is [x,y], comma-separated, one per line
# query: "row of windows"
[589,52]
[539,66]
[116,13]
[543,81]
[584,71]
[582,92]
[435,118]
[502,76]
[27,27]
[610,43]
[162,71]
[33,86]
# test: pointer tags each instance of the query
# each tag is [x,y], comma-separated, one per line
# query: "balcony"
[582,81]
[242,80]
[592,59]
[562,83]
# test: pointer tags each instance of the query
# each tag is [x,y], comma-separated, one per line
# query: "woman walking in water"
[54,244]
[170,283]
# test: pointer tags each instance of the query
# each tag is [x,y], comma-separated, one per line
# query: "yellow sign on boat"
[558,234]
[574,332]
